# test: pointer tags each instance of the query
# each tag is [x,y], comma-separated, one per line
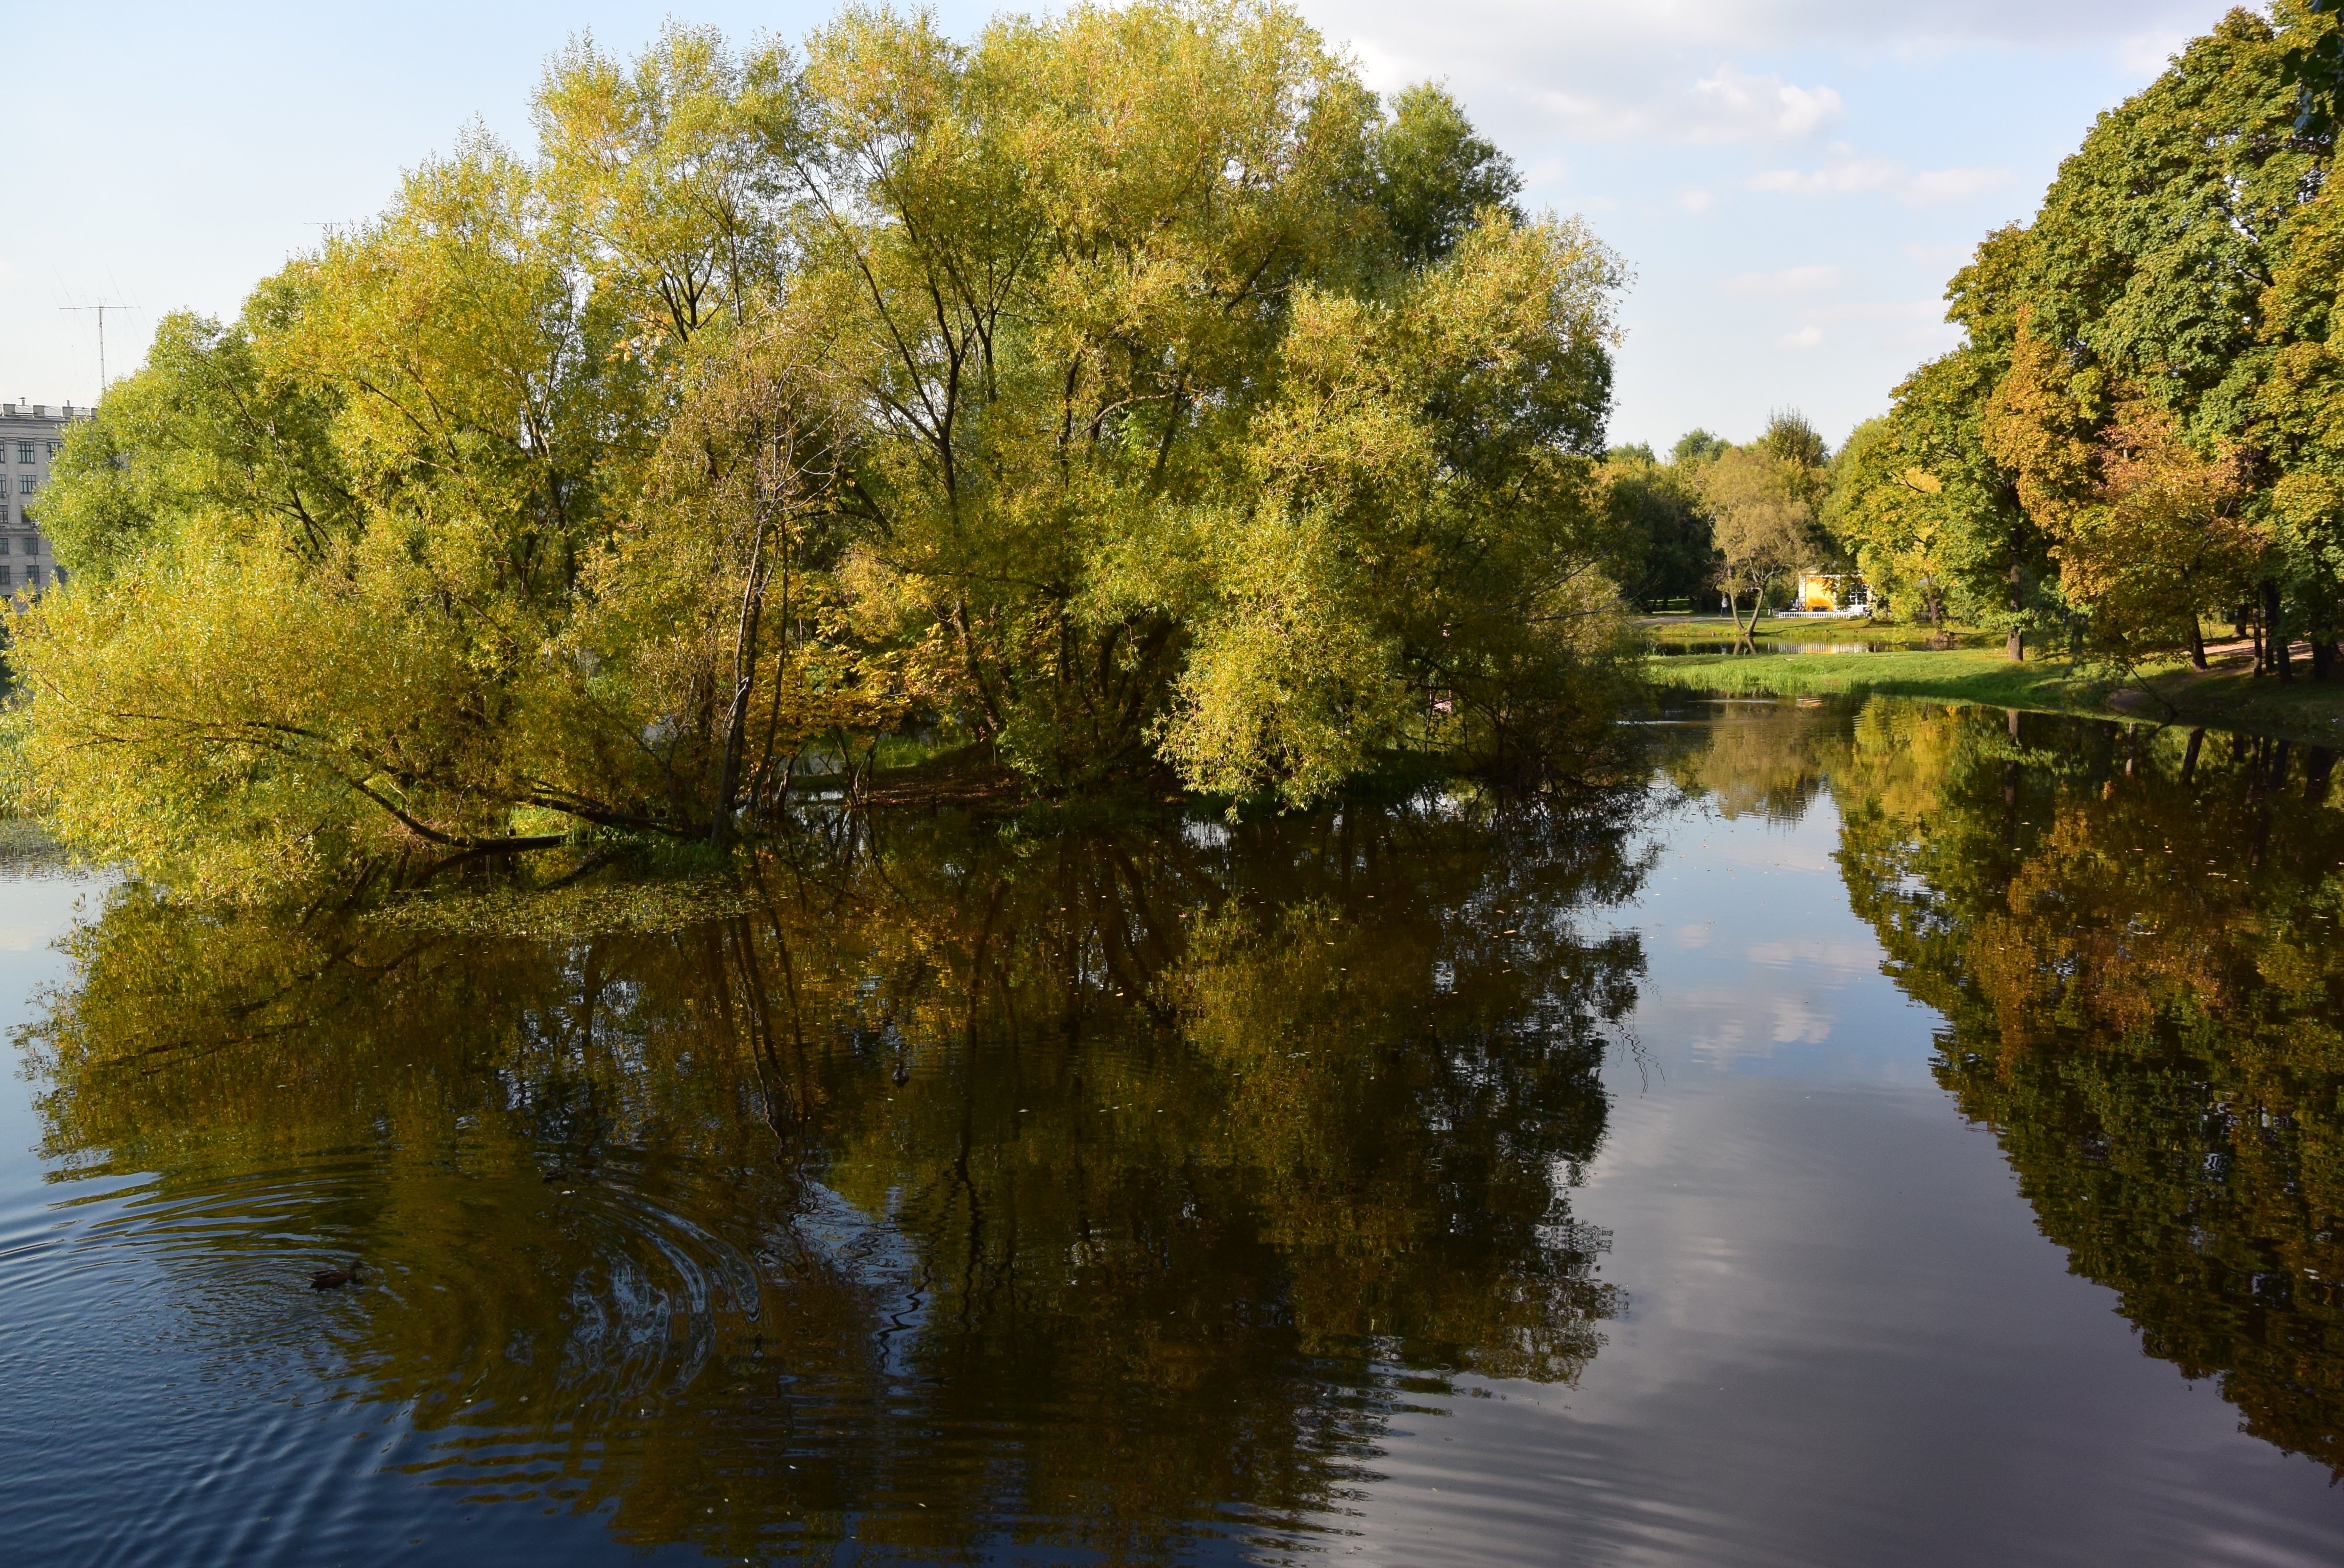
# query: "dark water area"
[1891,1134]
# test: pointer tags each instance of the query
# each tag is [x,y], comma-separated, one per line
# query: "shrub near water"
[1121,388]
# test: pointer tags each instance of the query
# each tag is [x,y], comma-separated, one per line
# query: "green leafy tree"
[208,428]
[1116,389]
[1435,176]
[1933,520]
[1763,529]
[1792,437]
[2299,422]
[2149,284]
[1698,446]
[1660,524]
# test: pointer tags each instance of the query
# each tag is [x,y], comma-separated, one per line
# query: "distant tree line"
[1716,518]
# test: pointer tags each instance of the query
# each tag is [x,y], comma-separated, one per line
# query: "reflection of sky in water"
[1847,1341]
[32,911]
[1757,964]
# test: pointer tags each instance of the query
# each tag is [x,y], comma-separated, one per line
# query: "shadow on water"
[949,1187]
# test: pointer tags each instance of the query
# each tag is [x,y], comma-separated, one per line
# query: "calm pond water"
[1895,1135]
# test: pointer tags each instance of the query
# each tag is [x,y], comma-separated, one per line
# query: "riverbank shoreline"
[2228,696]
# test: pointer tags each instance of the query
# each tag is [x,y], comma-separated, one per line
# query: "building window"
[58,573]
[23,484]
[24,452]
[5,575]
[32,545]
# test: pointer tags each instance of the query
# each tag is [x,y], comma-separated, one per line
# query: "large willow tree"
[1126,387]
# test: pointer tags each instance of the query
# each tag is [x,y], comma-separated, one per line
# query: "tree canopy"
[2139,428]
[1119,389]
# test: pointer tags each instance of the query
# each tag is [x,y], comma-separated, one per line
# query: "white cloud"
[1847,175]
[1695,200]
[1790,280]
[2137,32]
[1736,108]
[1594,116]
[1649,99]
[1842,958]
[1721,1026]
[1545,171]
[1953,184]
[1613,69]
[1912,329]
[1842,178]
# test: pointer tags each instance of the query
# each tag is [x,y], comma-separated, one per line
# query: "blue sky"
[1791,181]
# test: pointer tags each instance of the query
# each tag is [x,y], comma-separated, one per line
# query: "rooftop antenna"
[101,308]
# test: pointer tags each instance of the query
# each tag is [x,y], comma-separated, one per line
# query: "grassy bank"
[1679,631]
[2225,697]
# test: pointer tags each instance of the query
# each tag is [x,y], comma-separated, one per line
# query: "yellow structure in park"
[1828,592]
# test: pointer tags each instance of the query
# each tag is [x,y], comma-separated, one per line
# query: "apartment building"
[30,435]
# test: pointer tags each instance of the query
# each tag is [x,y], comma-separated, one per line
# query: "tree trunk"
[2323,659]
[758,782]
[2190,757]
[744,680]
[2197,644]
[2273,632]
[2015,644]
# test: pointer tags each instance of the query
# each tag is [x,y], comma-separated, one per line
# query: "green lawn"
[2227,697]
[1676,630]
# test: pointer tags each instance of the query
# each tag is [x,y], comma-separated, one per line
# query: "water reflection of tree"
[1757,759]
[2136,941]
[1078,1187]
